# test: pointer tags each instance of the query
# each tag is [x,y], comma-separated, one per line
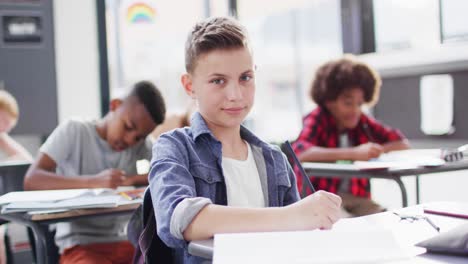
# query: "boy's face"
[7,122]
[346,109]
[224,86]
[128,124]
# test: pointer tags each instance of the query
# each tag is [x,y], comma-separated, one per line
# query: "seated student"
[338,130]
[99,154]
[216,176]
[9,148]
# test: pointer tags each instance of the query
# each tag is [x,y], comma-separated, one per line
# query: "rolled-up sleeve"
[173,190]
[184,213]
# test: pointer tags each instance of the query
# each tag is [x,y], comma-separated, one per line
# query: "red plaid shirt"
[320,129]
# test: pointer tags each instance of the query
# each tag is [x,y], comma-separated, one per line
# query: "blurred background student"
[9,114]
[338,130]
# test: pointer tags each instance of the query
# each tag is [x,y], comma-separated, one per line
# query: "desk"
[204,248]
[328,170]
[39,223]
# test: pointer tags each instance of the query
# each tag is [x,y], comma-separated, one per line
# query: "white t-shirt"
[243,185]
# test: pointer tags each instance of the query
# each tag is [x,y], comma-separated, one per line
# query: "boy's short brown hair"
[8,104]
[336,76]
[217,33]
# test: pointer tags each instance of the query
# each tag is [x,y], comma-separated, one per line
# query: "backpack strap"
[147,236]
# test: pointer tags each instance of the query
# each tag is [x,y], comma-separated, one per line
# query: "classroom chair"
[149,248]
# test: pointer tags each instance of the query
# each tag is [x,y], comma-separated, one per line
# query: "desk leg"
[40,238]
[404,196]
[417,189]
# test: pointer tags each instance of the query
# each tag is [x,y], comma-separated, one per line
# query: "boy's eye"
[218,81]
[246,78]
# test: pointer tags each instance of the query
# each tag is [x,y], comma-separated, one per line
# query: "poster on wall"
[139,41]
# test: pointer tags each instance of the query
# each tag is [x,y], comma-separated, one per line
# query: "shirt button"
[210,179]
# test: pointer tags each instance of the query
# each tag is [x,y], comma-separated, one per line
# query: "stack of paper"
[56,200]
[75,203]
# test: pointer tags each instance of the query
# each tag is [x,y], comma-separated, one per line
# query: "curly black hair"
[334,77]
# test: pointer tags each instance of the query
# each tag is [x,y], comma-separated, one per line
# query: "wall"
[27,67]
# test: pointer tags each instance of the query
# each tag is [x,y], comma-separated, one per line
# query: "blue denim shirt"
[186,175]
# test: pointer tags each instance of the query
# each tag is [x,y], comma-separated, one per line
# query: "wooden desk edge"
[84,212]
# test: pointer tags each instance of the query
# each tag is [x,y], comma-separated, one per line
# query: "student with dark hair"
[216,176]
[99,154]
[338,130]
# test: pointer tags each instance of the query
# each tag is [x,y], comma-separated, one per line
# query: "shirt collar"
[199,128]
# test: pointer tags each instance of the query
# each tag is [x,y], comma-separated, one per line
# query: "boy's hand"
[110,178]
[367,151]
[319,210]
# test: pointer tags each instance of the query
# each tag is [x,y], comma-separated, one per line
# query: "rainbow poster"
[140,13]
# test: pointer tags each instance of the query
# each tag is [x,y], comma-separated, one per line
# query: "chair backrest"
[12,176]
[149,248]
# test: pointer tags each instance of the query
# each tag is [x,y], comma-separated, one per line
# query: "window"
[454,26]
[290,39]
[146,41]
[402,24]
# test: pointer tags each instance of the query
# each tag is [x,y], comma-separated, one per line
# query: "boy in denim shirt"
[216,176]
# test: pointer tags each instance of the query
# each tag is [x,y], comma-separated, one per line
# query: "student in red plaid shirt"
[338,130]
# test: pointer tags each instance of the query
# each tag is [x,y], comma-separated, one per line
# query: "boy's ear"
[186,80]
[115,103]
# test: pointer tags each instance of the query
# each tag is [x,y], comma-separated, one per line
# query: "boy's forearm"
[40,179]
[137,180]
[321,154]
[216,219]
[396,145]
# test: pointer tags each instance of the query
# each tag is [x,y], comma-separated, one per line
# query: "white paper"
[413,157]
[370,245]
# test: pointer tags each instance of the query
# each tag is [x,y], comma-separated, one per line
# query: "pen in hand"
[291,154]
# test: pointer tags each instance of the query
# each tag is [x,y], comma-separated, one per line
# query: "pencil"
[126,196]
[291,153]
